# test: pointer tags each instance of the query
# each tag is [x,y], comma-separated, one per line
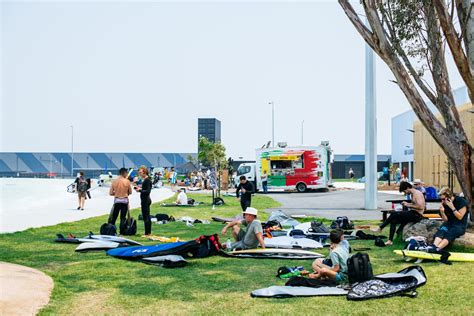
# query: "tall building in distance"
[209,128]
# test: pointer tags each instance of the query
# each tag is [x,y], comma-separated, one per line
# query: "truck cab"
[247,170]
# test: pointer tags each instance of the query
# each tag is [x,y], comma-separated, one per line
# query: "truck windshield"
[243,170]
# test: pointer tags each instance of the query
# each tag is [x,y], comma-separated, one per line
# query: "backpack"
[317,227]
[218,201]
[82,185]
[108,229]
[162,217]
[359,268]
[191,201]
[128,227]
[431,193]
[208,246]
[342,222]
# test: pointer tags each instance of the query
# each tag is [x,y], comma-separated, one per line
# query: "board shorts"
[239,244]
[81,194]
[450,232]
[341,277]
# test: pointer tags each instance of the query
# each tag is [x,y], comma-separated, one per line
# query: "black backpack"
[128,227]
[342,222]
[317,227]
[191,201]
[359,268]
[108,229]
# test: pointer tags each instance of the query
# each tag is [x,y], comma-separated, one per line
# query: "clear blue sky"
[135,76]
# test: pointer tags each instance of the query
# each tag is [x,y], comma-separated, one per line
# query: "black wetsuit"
[145,204]
[245,198]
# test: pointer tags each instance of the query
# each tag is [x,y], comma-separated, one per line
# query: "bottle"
[228,244]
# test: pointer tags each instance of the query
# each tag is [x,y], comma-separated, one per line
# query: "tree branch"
[455,46]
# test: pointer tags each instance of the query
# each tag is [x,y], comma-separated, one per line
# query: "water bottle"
[228,244]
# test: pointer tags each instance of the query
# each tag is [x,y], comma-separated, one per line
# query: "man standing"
[351,173]
[244,193]
[249,238]
[120,190]
[264,181]
[81,188]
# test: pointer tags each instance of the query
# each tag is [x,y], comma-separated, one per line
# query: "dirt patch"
[95,302]
[24,291]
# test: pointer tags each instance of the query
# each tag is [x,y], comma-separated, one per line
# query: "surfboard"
[292,243]
[116,239]
[275,253]
[294,291]
[455,256]
[96,246]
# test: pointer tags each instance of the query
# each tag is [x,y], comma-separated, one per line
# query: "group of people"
[121,189]
[453,211]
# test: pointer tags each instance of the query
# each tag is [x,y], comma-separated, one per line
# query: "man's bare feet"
[313,275]
[388,243]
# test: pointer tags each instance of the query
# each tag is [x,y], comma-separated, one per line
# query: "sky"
[135,76]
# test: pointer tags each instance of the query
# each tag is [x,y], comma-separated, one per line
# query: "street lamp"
[273,123]
[302,127]
[72,151]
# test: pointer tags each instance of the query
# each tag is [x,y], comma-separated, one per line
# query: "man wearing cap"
[250,237]
[418,184]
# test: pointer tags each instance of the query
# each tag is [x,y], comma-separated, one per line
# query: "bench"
[430,213]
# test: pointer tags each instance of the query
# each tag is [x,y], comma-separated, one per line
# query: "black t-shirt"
[458,203]
[249,189]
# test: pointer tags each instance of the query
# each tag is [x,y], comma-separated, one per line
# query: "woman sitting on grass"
[338,255]
[453,211]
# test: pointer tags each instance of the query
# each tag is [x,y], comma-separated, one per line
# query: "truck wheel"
[301,187]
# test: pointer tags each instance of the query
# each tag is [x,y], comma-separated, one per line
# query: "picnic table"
[432,213]
[398,201]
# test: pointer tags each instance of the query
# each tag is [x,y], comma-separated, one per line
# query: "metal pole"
[273,123]
[72,151]
[370,131]
[302,133]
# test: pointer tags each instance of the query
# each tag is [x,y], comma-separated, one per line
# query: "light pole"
[302,133]
[273,123]
[72,151]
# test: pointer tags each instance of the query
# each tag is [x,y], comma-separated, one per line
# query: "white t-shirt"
[182,198]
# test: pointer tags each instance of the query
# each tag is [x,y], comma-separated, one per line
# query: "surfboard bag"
[402,283]
[201,247]
[169,261]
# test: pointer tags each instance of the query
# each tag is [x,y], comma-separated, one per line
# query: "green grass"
[93,283]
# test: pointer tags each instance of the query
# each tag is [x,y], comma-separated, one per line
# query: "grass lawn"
[93,283]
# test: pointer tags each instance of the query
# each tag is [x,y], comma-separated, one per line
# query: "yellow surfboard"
[455,256]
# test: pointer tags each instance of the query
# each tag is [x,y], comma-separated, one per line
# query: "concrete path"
[29,203]
[332,204]
[23,290]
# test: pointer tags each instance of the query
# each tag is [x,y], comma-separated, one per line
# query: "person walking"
[81,188]
[351,174]
[145,199]
[265,181]
[120,189]
[244,193]
[173,179]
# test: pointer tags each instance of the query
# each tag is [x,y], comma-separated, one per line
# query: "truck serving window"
[299,164]
[243,170]
[281,164]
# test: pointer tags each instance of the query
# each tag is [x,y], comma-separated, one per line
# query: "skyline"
[136,77]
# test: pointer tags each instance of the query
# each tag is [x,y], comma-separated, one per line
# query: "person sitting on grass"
[335,266]
[182,198]
[454,214]
[413,215]
[246,238]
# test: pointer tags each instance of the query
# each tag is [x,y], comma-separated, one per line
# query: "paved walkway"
[23,290]
[26,203]
[331,204]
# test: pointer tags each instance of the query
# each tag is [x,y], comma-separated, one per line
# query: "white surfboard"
[292,243]
[96,246]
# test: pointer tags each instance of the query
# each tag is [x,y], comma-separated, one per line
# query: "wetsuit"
[145,204]
[245,198]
